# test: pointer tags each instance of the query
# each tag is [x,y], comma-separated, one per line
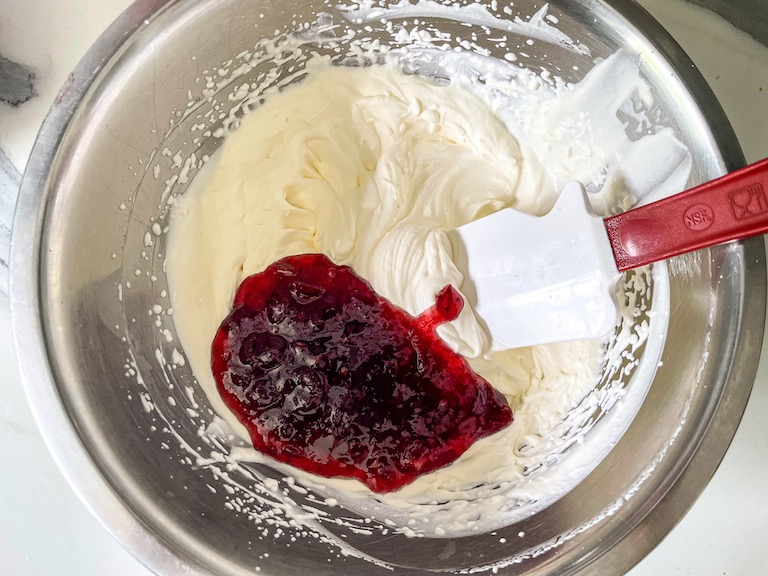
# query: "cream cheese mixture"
[370,166]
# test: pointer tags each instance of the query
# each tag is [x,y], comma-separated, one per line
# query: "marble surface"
[44,528]
[748,15]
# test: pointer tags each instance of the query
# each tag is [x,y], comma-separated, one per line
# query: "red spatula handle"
[732,207]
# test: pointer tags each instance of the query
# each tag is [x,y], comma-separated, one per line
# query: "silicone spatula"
[537,280]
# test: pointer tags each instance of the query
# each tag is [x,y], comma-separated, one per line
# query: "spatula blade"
[537,280]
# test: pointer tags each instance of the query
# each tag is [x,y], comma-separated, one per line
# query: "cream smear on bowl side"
[521,136]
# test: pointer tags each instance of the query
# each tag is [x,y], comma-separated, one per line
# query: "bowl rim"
[94,490]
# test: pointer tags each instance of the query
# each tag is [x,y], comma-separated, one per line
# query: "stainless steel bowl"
[88,198]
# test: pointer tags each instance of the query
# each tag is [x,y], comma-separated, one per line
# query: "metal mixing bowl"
[87,344]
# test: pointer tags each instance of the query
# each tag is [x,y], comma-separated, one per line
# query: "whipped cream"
[369,166]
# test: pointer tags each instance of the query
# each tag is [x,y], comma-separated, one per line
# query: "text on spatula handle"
[732,207]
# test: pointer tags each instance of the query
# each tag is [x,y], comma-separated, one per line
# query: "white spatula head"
[536,280]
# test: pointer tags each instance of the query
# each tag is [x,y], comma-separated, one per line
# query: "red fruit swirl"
[333,379]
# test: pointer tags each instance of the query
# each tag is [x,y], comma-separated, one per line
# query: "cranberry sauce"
[331,378]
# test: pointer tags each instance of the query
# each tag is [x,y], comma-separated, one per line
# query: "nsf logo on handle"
[699,217]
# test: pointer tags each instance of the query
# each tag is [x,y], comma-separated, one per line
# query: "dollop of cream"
[367,166]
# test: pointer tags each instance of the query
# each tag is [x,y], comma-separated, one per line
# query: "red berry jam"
[331,378]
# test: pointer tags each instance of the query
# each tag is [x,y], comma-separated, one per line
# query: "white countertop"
[45,530]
